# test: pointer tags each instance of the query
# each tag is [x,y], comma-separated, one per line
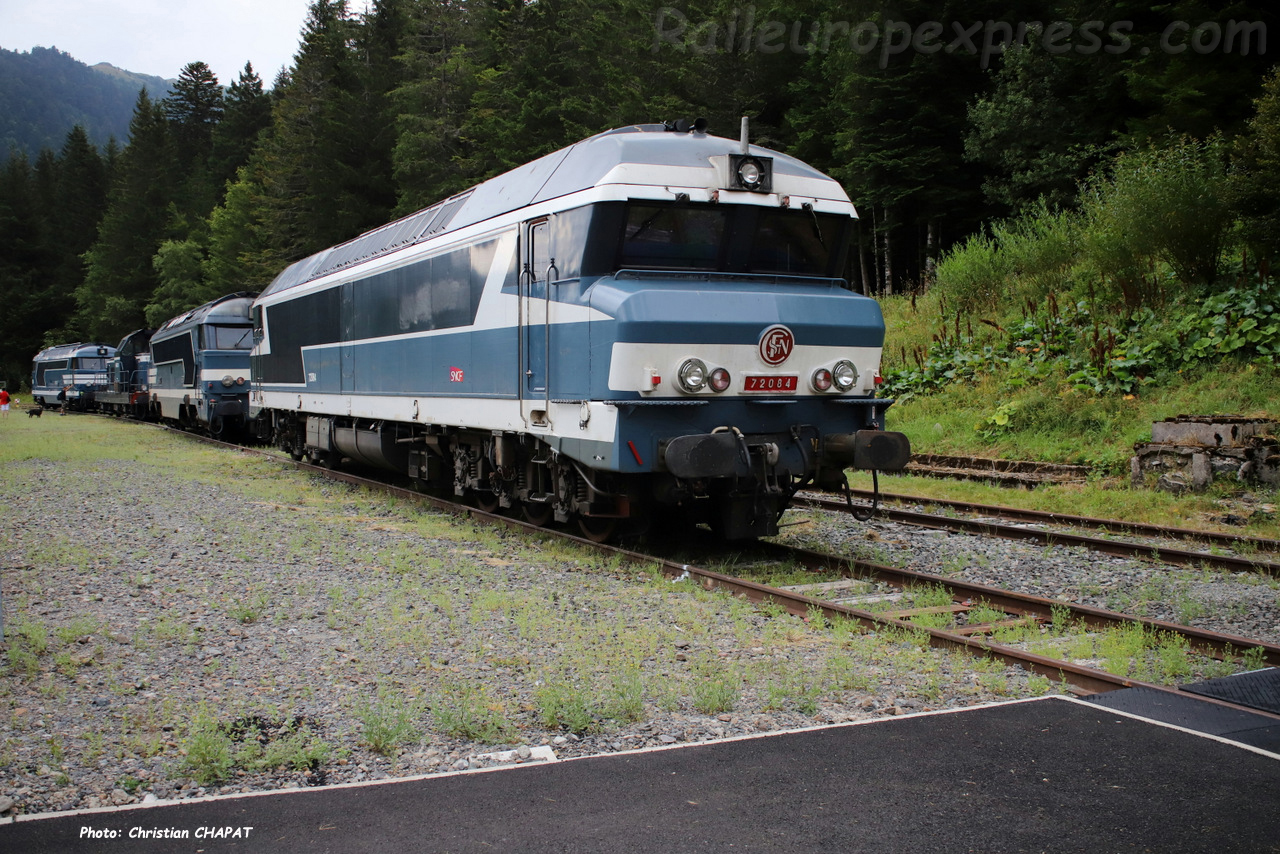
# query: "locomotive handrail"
[546,334]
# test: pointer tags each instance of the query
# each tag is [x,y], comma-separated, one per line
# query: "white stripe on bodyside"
[564,419]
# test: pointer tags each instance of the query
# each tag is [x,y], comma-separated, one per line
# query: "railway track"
[984,523]
[1000,608]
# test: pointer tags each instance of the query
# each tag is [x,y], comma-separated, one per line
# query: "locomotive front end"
[731,413]
[741,365]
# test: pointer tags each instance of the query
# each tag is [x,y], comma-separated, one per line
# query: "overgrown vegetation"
[1062,333]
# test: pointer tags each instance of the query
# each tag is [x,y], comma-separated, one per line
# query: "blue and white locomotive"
[128,377]
[199,375]
[650,323]
[71,372]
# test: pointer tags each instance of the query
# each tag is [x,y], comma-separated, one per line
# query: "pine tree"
[194,107]
[441,46]
[246,113]
[26,264]
[1029,132]
[119,277]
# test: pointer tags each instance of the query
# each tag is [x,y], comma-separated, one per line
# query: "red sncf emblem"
[776,344]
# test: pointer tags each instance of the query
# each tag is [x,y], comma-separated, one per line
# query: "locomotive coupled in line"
[649,324]
[198,375]
[70,374]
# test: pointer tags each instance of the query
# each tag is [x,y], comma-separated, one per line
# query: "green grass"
[1046,418]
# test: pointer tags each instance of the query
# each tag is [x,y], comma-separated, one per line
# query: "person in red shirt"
[4,402]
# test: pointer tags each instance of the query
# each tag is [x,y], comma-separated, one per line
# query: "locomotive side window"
[572,230]
[50,368]
[539,250]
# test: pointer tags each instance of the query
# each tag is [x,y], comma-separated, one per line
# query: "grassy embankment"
[1037,411]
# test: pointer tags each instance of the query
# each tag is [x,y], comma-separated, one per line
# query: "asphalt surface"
[1045,775]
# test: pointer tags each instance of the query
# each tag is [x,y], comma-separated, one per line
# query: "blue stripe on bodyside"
[420,367]
[736,313]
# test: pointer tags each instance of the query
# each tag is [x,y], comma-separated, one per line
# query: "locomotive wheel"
[597,529]
[486,501]
[538,513]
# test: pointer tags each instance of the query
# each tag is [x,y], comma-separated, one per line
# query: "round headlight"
[228,381]
[239,380]
[845,375]
[750,173]
[719,380]
[692,375]
[822,380]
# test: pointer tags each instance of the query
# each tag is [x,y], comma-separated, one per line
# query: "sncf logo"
[776,344]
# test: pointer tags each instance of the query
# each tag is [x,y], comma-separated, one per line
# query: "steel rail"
[1116,548]
[1047,517]
[1216,644]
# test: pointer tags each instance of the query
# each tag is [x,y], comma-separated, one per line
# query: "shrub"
[1162,204]
[972,275]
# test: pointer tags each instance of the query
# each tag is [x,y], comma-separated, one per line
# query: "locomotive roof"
[67,351]
[580,166]
[232,308]
[136,341]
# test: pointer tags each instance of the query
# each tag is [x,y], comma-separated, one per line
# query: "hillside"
[46,92]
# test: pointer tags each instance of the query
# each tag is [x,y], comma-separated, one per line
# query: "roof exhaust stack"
[746,146]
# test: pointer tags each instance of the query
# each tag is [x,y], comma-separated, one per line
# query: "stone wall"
[1188,453]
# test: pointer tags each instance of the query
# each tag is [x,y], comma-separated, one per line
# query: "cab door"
[535,328]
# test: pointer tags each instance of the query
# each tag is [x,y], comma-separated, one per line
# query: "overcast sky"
[161,36]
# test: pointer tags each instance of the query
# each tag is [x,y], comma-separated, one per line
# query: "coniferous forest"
[939,118]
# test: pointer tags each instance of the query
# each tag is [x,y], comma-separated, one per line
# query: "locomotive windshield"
[733,239]
[229,338]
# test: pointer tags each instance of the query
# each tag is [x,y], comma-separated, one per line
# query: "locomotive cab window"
[683,238]
[732,239]
[228,337]
[799,243]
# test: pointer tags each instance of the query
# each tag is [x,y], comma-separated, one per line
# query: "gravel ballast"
[205,622]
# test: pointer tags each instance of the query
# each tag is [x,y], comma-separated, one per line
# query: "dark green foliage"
[49,216]
[120,277]
[246,113]
[1160,204]
[1254,188]
[194,107]
[26,262]
[1027,132]
[320,178]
